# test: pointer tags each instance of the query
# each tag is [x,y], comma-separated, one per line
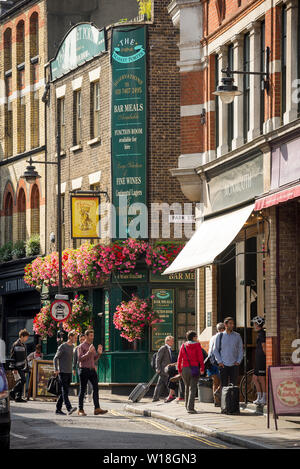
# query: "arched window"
[34,35]
[20,42]
[8,212]
[7,49]
[35,210]
[21,216]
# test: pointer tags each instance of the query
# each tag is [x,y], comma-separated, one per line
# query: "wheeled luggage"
[230,400]
[141,389]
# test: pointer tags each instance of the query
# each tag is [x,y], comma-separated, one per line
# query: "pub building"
[106,97]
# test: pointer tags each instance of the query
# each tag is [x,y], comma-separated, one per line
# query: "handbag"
[53,385]
[194,369]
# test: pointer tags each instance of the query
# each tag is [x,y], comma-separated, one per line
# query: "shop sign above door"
[237,184]
[83,42]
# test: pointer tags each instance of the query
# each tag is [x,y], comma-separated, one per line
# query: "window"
[8,212]
[8,117]
[95,109]
[217,100]
[262,69]
[21,216]
[246,80]
[61,123]
[283,61]
[35,119]
[22,125]
[7,49]
[35,210]
[77,117]
[20,42]
[34,35]
[230,106]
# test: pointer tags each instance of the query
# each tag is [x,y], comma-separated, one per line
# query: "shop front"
[228,250]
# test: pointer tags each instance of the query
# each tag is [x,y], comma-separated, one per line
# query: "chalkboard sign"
[163,304]
[42,370]
[283,391]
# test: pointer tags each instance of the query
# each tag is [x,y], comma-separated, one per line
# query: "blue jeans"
[65,381]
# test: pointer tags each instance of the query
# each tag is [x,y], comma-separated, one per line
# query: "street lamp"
[228,91]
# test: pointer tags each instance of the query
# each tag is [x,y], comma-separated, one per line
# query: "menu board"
[163,304]
[284,389]
[106,320]
[42,370]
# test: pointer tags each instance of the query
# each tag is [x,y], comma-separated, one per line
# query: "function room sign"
[82,43]
[129,137]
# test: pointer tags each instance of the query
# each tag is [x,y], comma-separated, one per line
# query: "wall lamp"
[228,91]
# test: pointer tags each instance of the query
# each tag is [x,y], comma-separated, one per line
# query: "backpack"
[153,361]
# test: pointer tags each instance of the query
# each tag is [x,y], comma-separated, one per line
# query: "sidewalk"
[248,429]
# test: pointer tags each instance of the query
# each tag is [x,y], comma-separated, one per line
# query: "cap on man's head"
[259,320]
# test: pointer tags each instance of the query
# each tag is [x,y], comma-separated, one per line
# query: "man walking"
[163,359]
[19,356]
[214,372]
[75,367]
[63,361]
[87,359]
[228,351]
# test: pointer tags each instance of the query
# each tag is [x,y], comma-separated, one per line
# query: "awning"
[210,239]
[277,198]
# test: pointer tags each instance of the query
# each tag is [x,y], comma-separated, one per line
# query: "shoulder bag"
[194,369]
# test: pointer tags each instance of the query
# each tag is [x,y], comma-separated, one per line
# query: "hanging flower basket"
[43,324]
[132,317]
[80,318]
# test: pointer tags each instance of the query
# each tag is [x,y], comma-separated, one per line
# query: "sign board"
[130,277]
[107,321]
[129,125]
[42,370]
[83,42]
[163,304]
[60,310]
[236,185]
[284,391]
[176,277]
[85,216]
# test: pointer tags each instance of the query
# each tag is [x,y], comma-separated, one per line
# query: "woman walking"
[190,366]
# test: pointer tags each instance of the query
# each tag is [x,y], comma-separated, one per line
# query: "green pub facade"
[118,107]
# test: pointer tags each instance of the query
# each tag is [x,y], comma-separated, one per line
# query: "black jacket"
[19,355]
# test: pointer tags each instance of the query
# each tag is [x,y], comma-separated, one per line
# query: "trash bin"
[205,390]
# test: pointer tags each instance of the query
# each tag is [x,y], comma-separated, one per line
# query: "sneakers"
[12,396]
[100,411]
[179,399]
[260,401]
[73,409]
[155,400]
[19,399]
[81,413]
[170,399]
[192,411]
[59,412]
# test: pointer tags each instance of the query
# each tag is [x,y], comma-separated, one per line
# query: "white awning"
[210,239]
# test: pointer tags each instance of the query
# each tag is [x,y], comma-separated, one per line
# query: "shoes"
[73,409]
[192,411]
[155,400]
[12,395]
[261,401]
[81,413]
[179,399]
[19,399]
[217,404]
[59,412]
[170,399]
[100,411]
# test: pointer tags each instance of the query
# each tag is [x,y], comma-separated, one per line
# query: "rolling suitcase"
[140,390]
[230,400]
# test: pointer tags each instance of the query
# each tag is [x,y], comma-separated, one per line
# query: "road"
[35,426]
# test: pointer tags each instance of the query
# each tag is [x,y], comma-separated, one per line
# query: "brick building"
[30,32]
[95,93]
[241,161]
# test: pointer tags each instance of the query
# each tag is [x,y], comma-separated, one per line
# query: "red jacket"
[195,355]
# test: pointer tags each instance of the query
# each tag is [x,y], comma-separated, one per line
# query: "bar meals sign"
[83,42]
[237,184]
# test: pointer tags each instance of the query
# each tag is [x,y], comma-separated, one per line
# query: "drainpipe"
[277,286]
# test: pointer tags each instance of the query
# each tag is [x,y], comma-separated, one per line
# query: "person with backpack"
[190,366]
[214,372]
[164,358]
[19,356]
[228,351]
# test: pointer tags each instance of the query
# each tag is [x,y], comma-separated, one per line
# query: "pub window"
[77,118]
[62,123]
[262,69]
[217,101]
[21,216]
[8,212]
[95,109]
[35,210]
[230,106]
[246,79]
[283,60]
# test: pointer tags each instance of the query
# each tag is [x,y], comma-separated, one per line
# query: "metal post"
[245,321]
[59,240]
